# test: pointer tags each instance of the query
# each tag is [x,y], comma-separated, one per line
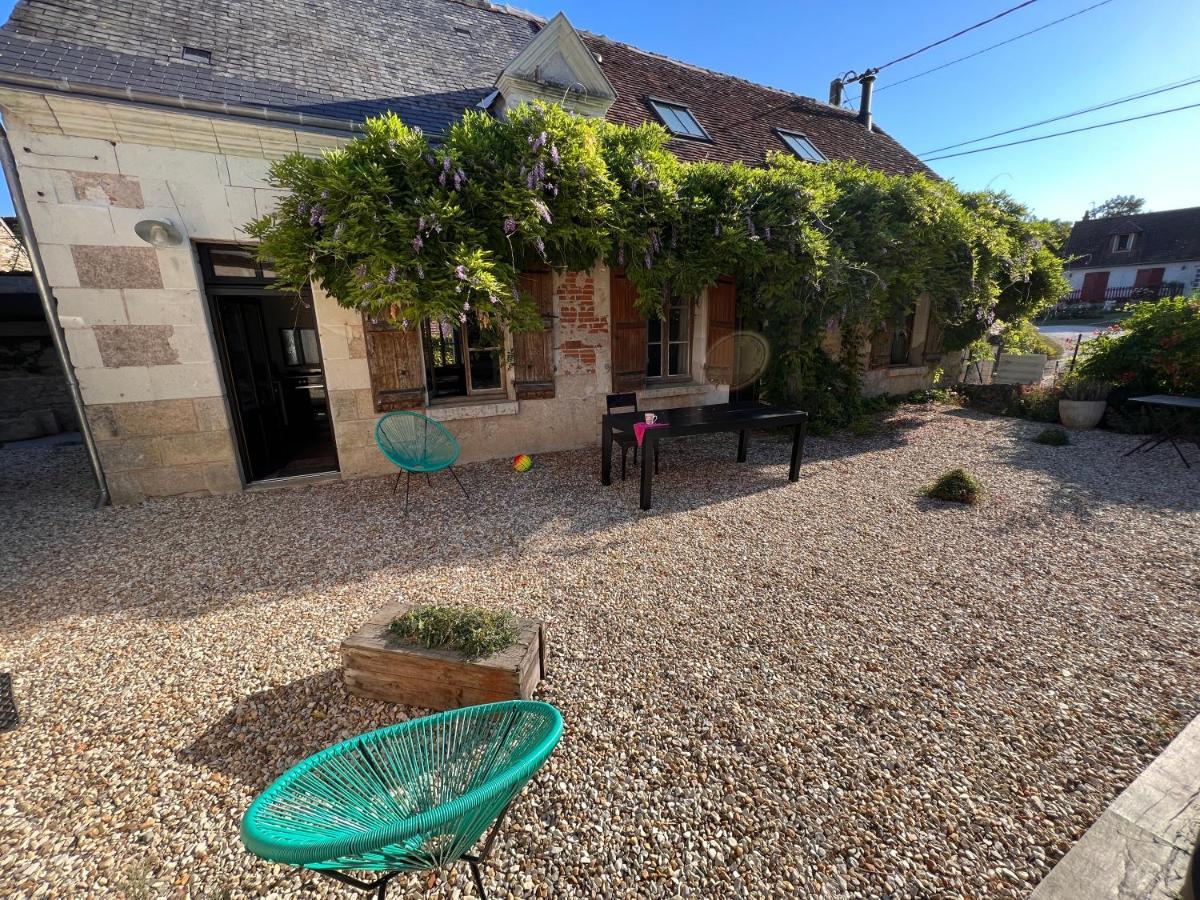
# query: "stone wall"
[135,317]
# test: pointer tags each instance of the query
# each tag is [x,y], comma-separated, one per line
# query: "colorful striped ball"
[522,462]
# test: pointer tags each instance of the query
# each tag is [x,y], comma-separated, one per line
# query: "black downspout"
[50,307]
[867,82]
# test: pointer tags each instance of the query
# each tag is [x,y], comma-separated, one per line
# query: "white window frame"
[1116,244]
[804,140]
[657,104]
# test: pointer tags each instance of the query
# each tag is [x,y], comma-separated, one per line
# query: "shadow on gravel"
[266,733]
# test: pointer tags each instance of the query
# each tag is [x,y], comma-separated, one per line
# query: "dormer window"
[801,146]
[1123,243]
[678,119]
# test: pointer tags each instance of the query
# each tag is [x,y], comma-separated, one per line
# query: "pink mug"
[651,418]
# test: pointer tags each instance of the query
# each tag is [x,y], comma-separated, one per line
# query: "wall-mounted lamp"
[158,233]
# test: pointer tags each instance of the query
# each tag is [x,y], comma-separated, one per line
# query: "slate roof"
[1172,235]
[428,60]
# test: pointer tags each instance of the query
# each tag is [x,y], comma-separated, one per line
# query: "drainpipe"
[50,307]
[867,82]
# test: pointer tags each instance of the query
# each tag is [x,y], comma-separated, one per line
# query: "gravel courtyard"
[830,688]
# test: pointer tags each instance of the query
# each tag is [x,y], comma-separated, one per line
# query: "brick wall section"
[581,329]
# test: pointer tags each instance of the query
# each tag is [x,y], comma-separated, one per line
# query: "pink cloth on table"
[639,430]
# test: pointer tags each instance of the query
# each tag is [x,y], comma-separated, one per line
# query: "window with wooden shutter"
[533,351]
[722,320]
[935,339]
[881,345]
[628,335]
[397,370]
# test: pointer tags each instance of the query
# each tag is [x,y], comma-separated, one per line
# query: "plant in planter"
[1083,403]
[473,632]
[441,657]
[956,486]
[1052,437]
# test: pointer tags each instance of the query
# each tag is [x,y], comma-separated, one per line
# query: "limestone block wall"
[135,317]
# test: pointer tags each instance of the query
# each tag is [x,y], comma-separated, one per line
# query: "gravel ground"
[830,688]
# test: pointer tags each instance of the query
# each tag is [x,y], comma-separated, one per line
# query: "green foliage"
[1022,336]
[1120,205]
[404,231]
[1037,402]
[956,486]
[1156,349]
[473,632]
[1077,386]
[1052,437]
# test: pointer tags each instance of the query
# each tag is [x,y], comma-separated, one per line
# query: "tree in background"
[1120,205]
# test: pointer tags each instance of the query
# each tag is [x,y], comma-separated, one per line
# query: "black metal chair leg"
[396,483]
[460,484]
[656,457]
[407,488]
[478,878]
[624,456]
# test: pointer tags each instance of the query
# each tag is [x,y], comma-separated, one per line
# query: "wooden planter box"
[379,666]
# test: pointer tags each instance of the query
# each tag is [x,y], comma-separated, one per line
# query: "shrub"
[1079,388]
[1037,402]
[1156,350]
[1023,337]
[472,631]
[956,486]
[1052,437]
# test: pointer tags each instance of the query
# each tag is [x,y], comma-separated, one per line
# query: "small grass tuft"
[1052,437]
[472,631]
[956,486]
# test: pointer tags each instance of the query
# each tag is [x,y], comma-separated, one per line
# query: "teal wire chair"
[412,797]
[416,443]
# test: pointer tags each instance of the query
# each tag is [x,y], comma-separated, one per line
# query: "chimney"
[835,92]
[867,83]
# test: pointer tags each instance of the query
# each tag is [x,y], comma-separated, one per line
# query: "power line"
[1140,95]
[1042,137]
[992,47]
[956,34]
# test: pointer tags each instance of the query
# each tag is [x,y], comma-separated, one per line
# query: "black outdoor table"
[1169,432]
[688,420]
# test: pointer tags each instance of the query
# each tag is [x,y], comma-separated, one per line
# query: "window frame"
[465,349]
[1116,244]
[664,342]
[674,105]
[784,133]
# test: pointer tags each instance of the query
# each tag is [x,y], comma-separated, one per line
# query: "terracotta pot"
[1081,414]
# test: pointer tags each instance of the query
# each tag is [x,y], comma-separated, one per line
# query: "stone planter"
[379,666]
[1081,414]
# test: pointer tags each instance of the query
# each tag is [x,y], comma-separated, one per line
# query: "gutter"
[50,309]
[220,108]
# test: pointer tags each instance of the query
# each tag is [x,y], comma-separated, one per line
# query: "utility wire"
[1149,92]
[1042,137]
[1024,34]
[956,34]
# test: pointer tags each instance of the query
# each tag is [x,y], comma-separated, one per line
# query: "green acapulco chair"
[418,444]
[411,797]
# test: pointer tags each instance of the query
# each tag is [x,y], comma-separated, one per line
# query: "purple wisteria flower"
[541,246]
[417,243]
[510,225]
[324,195]
[446,164]
[530,181]
[462,317]
[466,307]
[460,178]
[421,224]
[420,271]
[404,324]
[649,261]
[367,285]
[750,227]
[429,159]
[391,275]
[543,211]
[317,216]
[554,157]
[460,272]
[361,271]
[494,299]
[539,171]
[338,229]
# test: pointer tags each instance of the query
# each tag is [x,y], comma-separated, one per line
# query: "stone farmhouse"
[142,136]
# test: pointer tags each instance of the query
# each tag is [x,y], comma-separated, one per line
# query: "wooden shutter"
[722,320]
[628,335]
[397,370]
[935,339]
[533,351]
[881,345]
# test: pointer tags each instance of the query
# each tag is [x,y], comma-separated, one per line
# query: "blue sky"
[1118,49]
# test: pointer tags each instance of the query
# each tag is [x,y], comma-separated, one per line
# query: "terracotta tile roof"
[427,60]
[1172,235]
[739,116]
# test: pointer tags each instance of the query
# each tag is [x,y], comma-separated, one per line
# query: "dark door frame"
[255,291]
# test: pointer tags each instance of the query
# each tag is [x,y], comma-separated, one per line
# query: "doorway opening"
[271,363]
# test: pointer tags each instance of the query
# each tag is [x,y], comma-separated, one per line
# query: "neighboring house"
[196,379]
[1113,261]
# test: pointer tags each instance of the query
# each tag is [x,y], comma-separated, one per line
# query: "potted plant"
[1083,403]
